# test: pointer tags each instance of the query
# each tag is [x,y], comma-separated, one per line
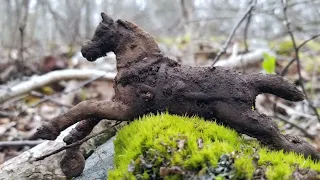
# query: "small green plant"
[174,147]
[269,63]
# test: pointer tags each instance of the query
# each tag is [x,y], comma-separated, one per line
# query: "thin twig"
[21,49]
[211,19]
[8,114]
[292,111]
[310,39]
[76,143]
[297,58]
[67,92]
[303,131]
[285,69]
[226,44]
[246,28]
[34,93]
[20,143]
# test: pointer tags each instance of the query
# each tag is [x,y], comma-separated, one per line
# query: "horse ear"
[107,19]
[126,24]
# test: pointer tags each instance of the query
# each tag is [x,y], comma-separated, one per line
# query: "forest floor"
[21,115]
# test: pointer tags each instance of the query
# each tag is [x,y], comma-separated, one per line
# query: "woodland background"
[42,36]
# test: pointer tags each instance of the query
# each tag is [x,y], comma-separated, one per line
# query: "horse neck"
[140,47]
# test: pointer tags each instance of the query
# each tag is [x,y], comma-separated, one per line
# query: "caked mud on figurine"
[148,82]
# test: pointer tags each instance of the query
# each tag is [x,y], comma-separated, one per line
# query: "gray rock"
[99,162]
[23,167]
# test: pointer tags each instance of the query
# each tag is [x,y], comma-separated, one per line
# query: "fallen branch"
[8,113]
[20,167]
[54,76]
[20,143]
[244,59]
[45,98]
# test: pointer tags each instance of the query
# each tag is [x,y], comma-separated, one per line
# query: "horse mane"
[135,45]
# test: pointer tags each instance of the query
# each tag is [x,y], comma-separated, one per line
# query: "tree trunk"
[187,12]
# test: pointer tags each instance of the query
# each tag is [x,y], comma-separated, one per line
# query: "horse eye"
[101,30]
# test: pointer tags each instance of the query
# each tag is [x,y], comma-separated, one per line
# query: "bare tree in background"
[88,18]
[24,14]
[70,22]
[187,14]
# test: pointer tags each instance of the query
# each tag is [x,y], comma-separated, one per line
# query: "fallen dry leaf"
[165,171]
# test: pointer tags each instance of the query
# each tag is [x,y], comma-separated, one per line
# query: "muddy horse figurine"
[148,82]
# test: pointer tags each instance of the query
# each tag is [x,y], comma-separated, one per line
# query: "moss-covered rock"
[173,147]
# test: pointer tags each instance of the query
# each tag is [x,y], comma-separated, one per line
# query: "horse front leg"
[86,110]
[89,113]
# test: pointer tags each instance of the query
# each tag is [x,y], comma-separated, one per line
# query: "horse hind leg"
[265,130]
[249,122]
[73,162]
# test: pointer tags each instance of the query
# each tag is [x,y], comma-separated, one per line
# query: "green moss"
[185,147]
[283,164]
